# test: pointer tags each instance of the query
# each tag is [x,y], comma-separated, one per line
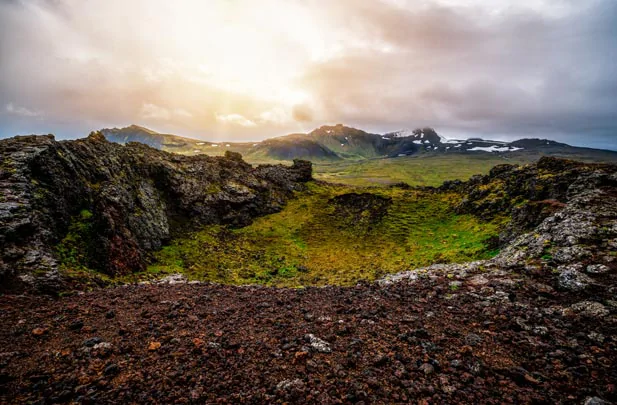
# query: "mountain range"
[341,143]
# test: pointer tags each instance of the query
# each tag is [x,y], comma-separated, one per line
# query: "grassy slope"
[306,244]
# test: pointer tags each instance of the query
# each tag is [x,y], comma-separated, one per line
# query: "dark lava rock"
[544,189]
[427,368]
[229,351]
[125,200]
[595,401]
[111,369]
[92,341]
[76,325]
[472,339]
[573,280]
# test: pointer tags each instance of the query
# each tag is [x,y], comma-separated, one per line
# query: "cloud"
[302,113]
[276,116]
[500,68]
[519,74]
[180,112]
[152,111]
[235,119]
[20,111]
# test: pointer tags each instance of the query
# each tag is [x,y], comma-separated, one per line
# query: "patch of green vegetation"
[213,188]
[72,254]
[311,242]
[7,165]
[72,251]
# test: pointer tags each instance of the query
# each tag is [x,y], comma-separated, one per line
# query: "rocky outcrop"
[583,232]
[569,243]
[124,201]
[529,194]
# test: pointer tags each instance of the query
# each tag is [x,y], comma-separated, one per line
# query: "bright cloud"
[20,111]
[152,111]
[235,119]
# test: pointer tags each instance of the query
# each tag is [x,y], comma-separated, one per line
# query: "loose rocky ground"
[472,337]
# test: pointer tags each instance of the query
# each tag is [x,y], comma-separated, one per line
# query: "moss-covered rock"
[104,206]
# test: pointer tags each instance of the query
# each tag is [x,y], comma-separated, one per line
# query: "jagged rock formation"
[563,223]
[531,193]
[125,200]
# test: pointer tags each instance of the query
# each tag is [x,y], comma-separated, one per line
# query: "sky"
[244,70]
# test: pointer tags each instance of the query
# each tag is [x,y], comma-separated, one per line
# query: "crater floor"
[472,336]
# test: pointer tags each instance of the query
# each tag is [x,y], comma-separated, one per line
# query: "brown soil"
[501,342]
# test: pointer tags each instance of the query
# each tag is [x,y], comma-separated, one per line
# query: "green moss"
[213,188]
[72,251]
[7,165]
[310,243]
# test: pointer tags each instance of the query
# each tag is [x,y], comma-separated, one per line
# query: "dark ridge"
[124,200]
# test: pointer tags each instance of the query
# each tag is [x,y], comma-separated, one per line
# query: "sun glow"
[254,52]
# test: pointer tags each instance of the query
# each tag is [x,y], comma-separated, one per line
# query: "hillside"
[328,234]
[295,146]
[135,133]
[172,143]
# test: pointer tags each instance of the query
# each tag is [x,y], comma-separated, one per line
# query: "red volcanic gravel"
[427,343]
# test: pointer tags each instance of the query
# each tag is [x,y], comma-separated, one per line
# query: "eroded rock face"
[532,193]
[561,211]
[130,198]
[570,247]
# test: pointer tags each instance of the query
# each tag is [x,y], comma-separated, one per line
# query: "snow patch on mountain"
[494,148]
[403,133]
[419,134]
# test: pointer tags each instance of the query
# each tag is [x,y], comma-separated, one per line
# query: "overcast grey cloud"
[499,69]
